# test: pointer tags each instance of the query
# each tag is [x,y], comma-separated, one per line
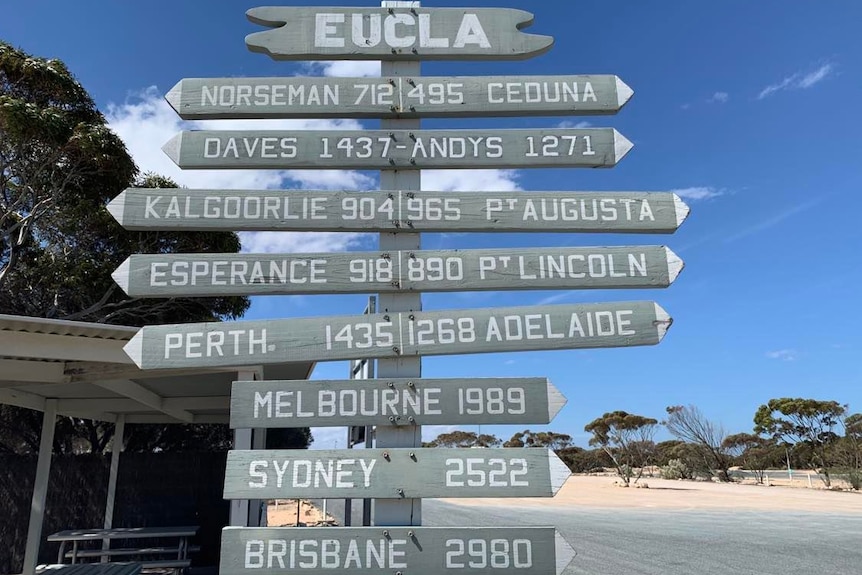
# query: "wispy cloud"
[783,354]
[719,97]
[698,192]
[799,81]
[569,124]
[774,220]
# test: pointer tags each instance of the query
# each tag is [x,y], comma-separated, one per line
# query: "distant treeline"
[787,433]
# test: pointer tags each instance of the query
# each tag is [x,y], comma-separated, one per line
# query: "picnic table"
[177,555]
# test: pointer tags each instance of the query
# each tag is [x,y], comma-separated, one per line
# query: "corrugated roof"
[66,328]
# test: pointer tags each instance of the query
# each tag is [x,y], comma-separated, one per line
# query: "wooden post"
[116,448]
[40,487]
[399,511]
[239,509]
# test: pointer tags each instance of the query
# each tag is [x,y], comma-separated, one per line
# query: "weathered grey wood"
[398,97]
[341,210]
[393,402]
[406,511]
[394,473]
[331,33]
[399,335]
[389,550]
[187,275]
[402,149]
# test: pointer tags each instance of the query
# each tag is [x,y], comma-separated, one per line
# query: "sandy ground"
[602,491]
[282,513]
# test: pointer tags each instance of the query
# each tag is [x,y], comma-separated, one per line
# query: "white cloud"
[470,180]
[565,124]
[303,242]
[698,193]
[720,97]
[146,121]
[798,81]
[783,354]
[773,220]
[346,68]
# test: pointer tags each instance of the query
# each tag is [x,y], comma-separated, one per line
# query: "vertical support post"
[40,487]
[257,507]
[116,448]
[239,508]
[403,511]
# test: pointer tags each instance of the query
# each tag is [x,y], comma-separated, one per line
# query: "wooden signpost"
[397,149]
[392,550]
[618,267]
[394,33]
[393,402]
[425,97]
[398,471]
[393,473]
[399,335]
[344,211]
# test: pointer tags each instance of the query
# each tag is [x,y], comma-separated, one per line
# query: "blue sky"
[749,109]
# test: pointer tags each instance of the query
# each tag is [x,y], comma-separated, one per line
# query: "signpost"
[619,267]
[397,149]
[393,402]
[399,97]
[390,550]
[394,33]
[399,335]
[390,211]
[394,473]
[398,471]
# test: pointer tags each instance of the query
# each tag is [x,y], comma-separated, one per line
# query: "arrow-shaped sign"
[398,97]
[390,550]
[393,473]
[367,211]
[312,33]
[393,402]
[405,149]
[189,275]
[398,334]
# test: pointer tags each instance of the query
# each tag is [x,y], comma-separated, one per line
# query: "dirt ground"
[603,491]
[282,513]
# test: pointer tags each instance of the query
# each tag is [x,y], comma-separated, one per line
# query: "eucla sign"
[394,34]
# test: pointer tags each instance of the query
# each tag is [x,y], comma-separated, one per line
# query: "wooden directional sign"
[398,97]
[393,473]
[321,210]
[390,550]
[383,149]
[189,275]
[398,334]
[315,33]
[328,403]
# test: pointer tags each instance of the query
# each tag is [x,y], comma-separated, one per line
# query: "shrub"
[675,469]
[855,479]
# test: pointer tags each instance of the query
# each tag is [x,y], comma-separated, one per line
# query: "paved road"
[629,542]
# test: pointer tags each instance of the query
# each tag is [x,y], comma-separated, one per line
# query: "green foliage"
[855,479]
[463,439]
[797,420]
[59,165]
[548,439]
[580,460]
[627,439]
[676,469]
